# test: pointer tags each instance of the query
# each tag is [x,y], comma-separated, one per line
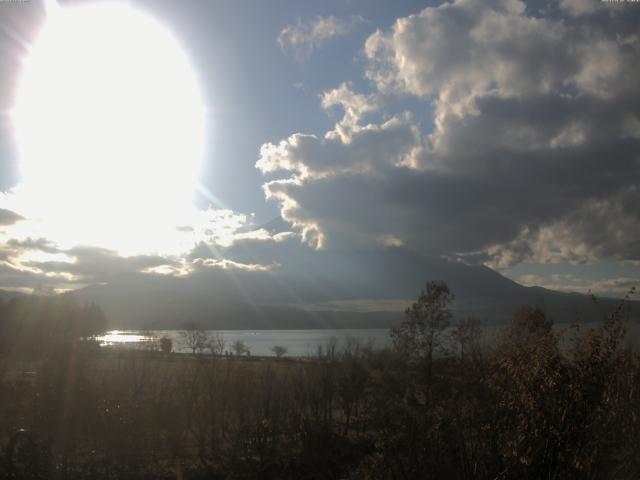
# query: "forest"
[539,403]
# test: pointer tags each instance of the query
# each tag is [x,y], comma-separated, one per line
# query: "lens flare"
[109,124]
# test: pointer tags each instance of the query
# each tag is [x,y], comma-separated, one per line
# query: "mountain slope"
[324,294]
[6,295]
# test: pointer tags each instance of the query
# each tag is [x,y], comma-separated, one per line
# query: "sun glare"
[109,124]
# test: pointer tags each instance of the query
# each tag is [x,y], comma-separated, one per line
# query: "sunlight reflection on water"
[259,342]
[118,337]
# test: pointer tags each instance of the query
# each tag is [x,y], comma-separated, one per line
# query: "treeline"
[538,404]
[32,324]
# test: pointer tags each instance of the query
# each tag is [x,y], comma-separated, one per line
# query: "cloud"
[579,7]
[7,217]
[334,181]
[530,152]
[534,152]
[463,49]
[614,287]
[303,38]
[531,279]
[35,256]
[38,264]
[601,228]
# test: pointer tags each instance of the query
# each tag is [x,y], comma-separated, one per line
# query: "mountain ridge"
[229,299]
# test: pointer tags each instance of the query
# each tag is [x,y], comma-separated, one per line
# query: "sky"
[500,133]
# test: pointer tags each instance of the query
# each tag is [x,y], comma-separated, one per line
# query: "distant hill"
[335,292]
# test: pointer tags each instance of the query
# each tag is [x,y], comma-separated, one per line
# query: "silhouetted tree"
[466,333]
[239,347]
[216,344]
[420,334]
[279,350]
[195,337]
[166,345]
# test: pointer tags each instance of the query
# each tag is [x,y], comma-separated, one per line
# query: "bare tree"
[216,344]
[328,350]
[195,337]
[279,350]
[240,348]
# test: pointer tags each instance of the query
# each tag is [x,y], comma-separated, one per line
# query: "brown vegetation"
[539,404]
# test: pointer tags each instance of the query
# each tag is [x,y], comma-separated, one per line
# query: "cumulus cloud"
[534,152]
[330,185]
[461,50]
[302,38]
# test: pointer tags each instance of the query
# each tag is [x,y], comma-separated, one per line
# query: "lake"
[300,343]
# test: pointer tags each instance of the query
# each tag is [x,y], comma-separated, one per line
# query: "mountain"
[368,289]
[6,295]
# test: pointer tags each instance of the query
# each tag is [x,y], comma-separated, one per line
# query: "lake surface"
[301,343]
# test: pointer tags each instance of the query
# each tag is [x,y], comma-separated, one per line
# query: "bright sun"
[109,124]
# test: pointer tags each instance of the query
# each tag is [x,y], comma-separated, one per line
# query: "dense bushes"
[540,404]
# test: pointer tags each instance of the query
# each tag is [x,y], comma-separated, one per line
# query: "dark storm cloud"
[535,153]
